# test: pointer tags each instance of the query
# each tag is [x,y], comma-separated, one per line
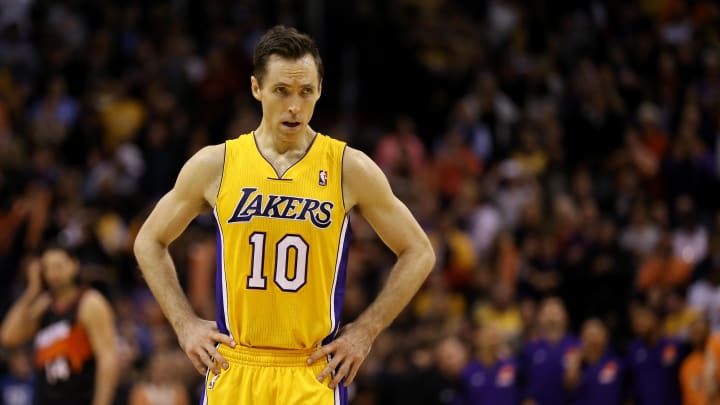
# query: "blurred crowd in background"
[564,157]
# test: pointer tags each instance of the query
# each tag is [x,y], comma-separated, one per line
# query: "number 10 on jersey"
[257,280]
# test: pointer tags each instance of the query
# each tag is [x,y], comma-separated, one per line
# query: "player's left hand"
[347,351]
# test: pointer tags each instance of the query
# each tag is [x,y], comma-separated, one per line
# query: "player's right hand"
[199,338]
[34,276]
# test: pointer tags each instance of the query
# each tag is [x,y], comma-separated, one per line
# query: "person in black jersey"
[73,331]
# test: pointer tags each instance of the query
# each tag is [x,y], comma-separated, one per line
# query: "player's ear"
[320,88]
[255,88]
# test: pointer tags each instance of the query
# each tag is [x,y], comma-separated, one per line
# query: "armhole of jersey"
[222,174]
[342,179]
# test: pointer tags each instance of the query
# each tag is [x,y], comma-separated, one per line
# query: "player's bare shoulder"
[363,181]
[92,305]
[202,173]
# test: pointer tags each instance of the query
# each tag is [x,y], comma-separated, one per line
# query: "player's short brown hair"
[288,43]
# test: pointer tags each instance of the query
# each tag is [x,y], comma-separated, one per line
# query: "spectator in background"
[652,360]
[503,315]
[454,164]
[692,369]
[162,386]
[607,276]
[641,235]
[594,374]
[490,378]
[401,151]
[663,269]
[17,387]
[456,257]
[544,360]
[704,294]
[689,239]
[679,316]
[485,223]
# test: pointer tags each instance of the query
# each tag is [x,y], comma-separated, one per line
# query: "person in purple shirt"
[543,361]
[594,376]
[488,378]
[652,360]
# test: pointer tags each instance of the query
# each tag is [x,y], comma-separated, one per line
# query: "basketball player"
[281,196]
[74,333]
[594,375]
[544,360]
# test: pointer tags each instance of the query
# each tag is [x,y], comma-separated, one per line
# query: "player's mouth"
[291,125]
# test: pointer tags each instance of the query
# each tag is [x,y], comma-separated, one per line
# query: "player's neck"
[593,356]
[62,296]
[487,357]
[278,143]
[553,336]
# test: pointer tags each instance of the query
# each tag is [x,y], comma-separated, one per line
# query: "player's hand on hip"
[347,351]
[198,339]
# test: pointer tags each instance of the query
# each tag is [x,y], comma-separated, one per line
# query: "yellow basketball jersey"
[281,246]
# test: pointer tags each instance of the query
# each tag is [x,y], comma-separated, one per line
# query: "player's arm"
[96,316]
[367,189]
[196,186]
[573,373]
[23,318]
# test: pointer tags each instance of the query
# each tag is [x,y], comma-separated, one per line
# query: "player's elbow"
[143,245]
[427,255]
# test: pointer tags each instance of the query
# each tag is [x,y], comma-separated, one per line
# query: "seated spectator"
[437,302]
[692,369]
[663,268]
[401,149]
[162,385]
[690,238]
[652,360]
[454,248]
[454,164]
[502,313]
[530,155]
[679,316]
[17,386]
[704,296]
[641,235]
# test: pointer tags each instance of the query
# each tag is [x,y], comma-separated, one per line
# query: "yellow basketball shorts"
[270,376]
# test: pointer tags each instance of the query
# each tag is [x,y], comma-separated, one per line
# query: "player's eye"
[307,91]
[281,90]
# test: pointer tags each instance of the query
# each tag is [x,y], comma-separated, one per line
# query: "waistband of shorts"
[253,356]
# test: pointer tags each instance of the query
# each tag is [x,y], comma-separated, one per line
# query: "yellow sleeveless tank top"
[282,246]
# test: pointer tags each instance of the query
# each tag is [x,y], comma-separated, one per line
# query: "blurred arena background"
[549,148]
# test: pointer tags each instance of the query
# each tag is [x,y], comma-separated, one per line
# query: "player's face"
[594,336]
[59,269]
[488,338]
[288,93]
[451,356]
[643,321]
[552,315]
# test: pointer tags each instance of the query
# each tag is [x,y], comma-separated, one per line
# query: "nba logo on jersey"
[323,178]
